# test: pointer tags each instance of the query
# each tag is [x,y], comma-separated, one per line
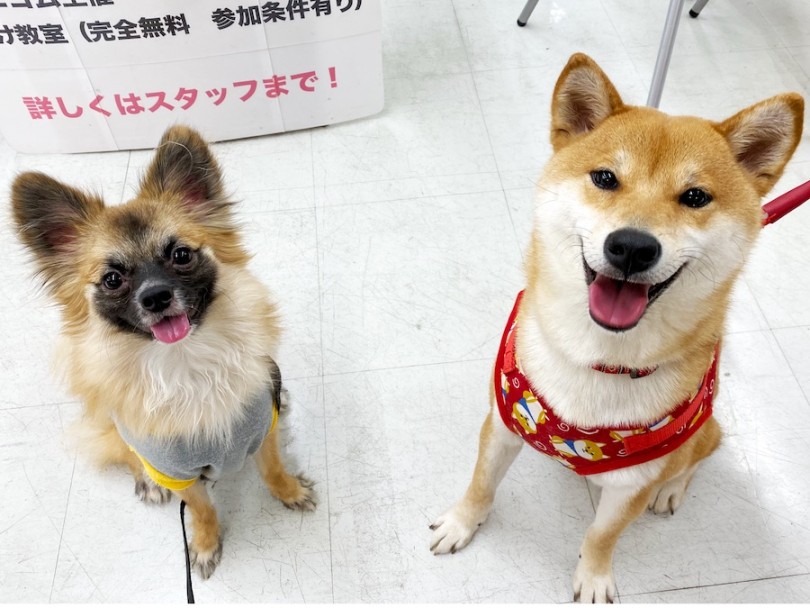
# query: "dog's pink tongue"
[617,304]
[171,329]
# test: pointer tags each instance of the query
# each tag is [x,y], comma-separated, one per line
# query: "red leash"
[784,204]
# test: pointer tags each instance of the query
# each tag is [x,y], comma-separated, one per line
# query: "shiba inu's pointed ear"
[764,136]
[184,166]
[583,98]
[50,218]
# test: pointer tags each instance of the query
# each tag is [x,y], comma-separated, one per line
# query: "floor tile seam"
[759,308]
[805,392]
[725,584]
[126,176]
[422,75]
[389,180]
[461,38]
[323,207]
[489,135]
[765,18]
[321,374]
[330,375]
[37,405]
[776,328]
[62,531]
[250,213]
[804,72]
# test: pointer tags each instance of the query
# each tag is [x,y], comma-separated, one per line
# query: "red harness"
[597,450]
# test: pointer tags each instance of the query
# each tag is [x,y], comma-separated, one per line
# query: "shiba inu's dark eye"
[182,256]
[695,198]
[604,179]
[112,280]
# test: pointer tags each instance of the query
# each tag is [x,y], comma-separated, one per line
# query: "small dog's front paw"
[454,530]
[151,493]
[592,587]
[301,496]
[206,561]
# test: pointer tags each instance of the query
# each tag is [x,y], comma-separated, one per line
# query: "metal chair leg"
[665,52]
[527,12]
[695,10]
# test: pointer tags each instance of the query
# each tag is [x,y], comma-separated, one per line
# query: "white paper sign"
[93,75]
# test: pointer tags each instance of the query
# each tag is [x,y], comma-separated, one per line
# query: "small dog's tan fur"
[195,388]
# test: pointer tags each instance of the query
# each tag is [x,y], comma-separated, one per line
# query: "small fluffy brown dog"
[167,338]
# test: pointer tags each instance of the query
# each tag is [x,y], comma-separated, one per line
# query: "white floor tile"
[791,20]
[431,126]
[710,85]
[427,25]
[758,389]
[777,270]
[284,248]
[556,30]
[724,532]
[426,282]
[37,467]
[726,25]
[787,589]
[795,343]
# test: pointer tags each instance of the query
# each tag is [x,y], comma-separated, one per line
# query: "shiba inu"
[167,337]
[643,223]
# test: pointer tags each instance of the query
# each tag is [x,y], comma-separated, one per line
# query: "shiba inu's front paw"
[299,494]
[205,561]
[454,530]
[592,586]
[151,493]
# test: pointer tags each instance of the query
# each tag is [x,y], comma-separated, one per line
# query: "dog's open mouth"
[171,329]
[619,305]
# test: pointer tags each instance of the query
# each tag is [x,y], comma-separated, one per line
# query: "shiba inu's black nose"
[156,299]
[632,251]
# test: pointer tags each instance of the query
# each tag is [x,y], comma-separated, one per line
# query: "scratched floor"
[393,245]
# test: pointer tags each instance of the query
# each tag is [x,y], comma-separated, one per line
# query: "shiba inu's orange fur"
[193,388]
[624,181]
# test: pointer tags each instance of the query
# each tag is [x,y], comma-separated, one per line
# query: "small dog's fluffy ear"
[50,218]
[764,136]
[184,167]
[583,97]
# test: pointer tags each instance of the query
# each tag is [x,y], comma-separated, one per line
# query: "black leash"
[189,589]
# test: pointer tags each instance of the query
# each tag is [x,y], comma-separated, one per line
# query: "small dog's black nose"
[156,299]
[632,251]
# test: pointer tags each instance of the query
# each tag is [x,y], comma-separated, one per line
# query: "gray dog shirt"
[177,462]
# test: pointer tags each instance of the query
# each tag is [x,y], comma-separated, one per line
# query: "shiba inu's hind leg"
[106,447]
[294,491]
[497,449]
[670,495]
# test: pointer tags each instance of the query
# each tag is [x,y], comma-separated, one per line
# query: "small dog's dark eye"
[182,256]
[604,179]
[112,280]
[695,198]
